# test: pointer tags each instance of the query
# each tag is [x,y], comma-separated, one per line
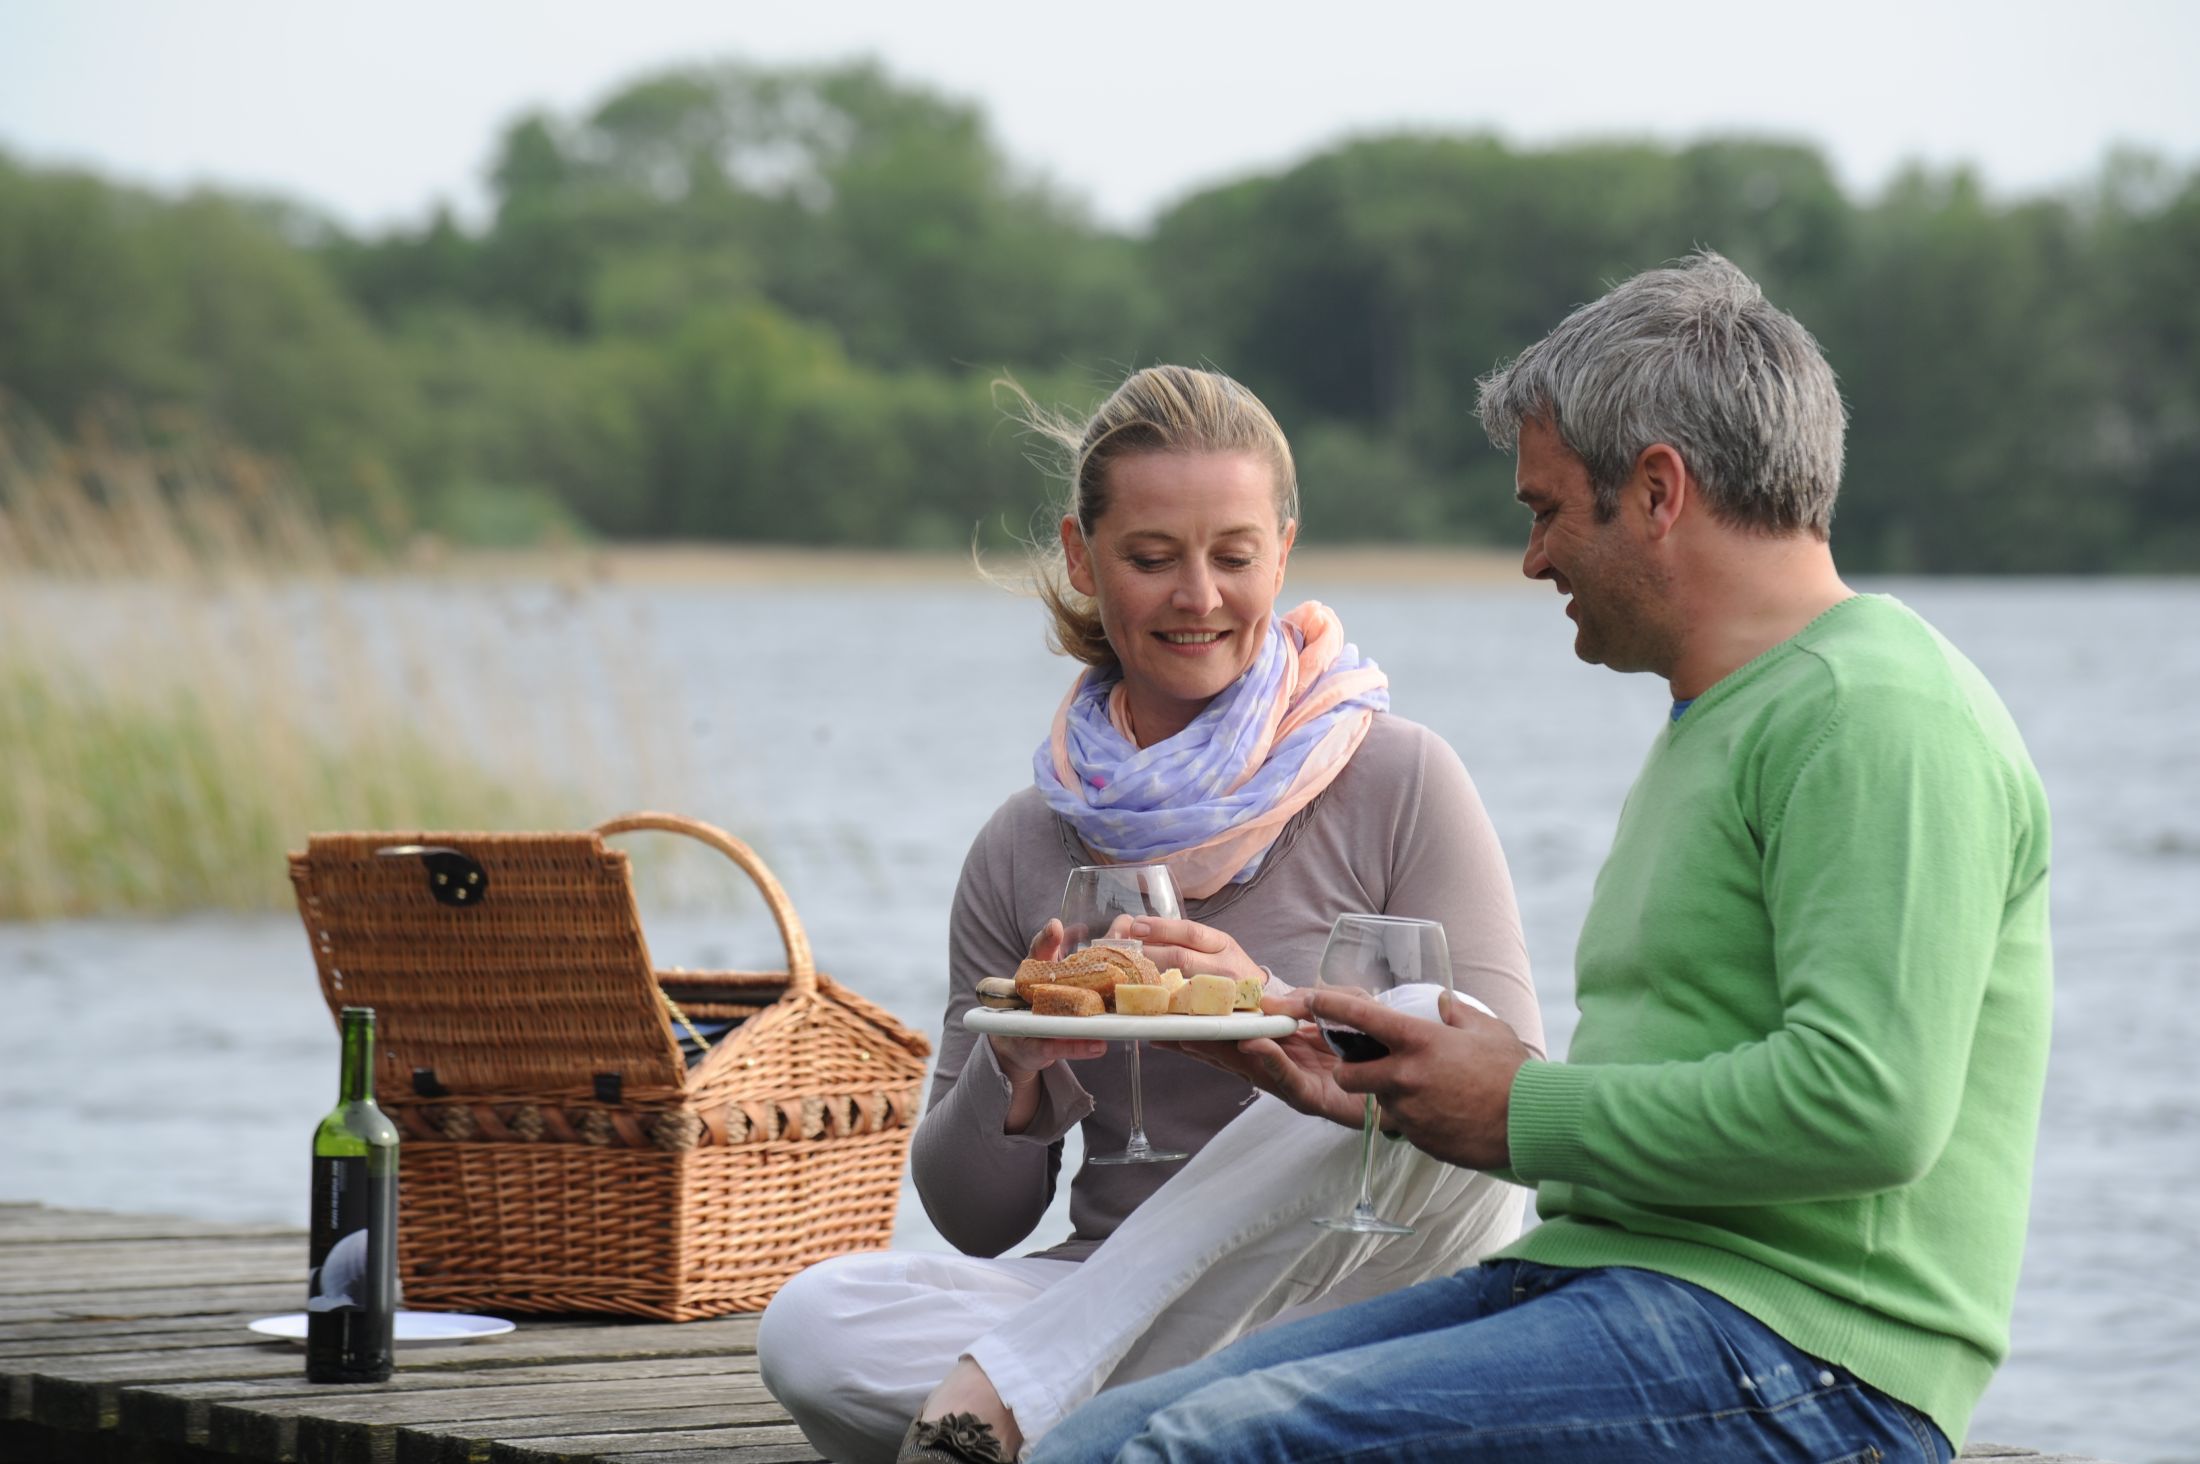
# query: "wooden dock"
[123,1341]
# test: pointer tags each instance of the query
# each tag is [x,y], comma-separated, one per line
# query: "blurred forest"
[767,304]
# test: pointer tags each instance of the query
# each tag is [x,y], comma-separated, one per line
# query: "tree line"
[768,305]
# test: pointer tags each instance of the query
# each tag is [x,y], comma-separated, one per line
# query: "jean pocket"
[1866,1455]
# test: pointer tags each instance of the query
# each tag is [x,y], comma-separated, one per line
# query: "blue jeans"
[1507,1361]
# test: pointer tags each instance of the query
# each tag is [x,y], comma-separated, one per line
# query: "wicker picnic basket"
[564,1147]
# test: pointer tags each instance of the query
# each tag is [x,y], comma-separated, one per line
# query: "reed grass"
[196,672]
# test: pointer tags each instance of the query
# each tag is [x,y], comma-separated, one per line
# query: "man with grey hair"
[1784,1169]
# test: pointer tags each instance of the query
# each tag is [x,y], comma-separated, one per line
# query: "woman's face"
[1185,564]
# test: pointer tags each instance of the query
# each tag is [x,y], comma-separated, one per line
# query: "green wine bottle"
[351,1287]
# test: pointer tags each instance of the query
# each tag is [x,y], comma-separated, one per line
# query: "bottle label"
[351,1287]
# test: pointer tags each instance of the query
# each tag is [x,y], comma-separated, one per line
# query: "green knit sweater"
[1814,994]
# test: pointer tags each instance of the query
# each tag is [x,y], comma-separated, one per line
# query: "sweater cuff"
[1063,1101]
[1543,1122]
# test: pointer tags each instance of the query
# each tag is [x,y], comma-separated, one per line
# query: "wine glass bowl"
[1373,954]
[1099,899]
[1098,902]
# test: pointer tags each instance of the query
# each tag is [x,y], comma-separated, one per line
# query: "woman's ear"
[1283,552]
[1078,555]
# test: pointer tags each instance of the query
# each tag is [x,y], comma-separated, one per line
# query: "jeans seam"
[1377,1451]
[1923,1429]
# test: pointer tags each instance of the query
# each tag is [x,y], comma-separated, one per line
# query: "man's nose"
[1535,564]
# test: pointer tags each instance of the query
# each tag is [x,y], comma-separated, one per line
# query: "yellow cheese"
[1212,995]
[1172,978]
[1180,999]
[1140,1001]
[1247,997]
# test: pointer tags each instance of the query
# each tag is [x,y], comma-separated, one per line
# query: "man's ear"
[1078,556]
[1662,475]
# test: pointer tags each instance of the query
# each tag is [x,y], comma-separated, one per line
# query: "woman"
[1252,753]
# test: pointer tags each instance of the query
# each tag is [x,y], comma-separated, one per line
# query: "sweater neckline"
[1770,656]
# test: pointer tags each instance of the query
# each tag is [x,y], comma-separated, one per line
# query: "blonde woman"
[1253,752]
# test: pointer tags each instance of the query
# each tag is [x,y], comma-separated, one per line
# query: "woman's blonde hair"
[1158,409]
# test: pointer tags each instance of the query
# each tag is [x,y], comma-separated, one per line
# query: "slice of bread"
[1065,1001]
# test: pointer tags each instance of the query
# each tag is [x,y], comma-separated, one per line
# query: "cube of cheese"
[1211,996]
[1180,999]
[1247,996]
[1172,978]
[1132,1000]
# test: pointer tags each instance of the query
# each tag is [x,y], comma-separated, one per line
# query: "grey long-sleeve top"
[1401,832]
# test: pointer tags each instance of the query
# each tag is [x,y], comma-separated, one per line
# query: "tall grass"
[195,672]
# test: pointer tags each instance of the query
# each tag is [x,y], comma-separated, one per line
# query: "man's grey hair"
[1693,356]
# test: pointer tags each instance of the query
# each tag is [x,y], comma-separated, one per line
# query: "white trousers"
[853,1346]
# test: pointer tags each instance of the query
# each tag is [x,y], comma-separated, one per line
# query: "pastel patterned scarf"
[1210,801]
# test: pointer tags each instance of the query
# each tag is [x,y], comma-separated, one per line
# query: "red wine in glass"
[1372,954]
[1353,1045]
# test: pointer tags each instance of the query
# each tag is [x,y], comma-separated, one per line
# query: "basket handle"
[801,968]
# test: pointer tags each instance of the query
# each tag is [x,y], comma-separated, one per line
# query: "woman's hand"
[1022,1059]
[1193,948]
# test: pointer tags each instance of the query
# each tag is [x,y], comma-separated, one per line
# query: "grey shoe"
[952,1438]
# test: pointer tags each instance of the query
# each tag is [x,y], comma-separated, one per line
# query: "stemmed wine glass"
[1373,953]
[1096,902]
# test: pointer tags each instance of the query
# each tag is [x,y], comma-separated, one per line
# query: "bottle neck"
[358,1079]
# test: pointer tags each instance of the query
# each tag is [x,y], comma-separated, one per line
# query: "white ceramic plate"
[1108,1027]
[411,1327]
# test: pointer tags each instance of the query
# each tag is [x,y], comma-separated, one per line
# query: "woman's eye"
[1235,561]
[1148,563]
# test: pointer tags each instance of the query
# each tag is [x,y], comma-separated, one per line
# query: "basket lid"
[496,963]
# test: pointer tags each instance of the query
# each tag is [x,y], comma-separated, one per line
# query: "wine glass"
[1373,953]
[1098,900]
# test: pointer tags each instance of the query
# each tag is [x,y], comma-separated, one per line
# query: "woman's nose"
[1196,593]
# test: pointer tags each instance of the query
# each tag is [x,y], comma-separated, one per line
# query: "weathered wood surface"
[123,1341]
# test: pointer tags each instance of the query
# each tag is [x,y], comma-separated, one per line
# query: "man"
[1784,1170]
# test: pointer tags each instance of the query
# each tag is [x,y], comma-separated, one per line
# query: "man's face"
[1614,588]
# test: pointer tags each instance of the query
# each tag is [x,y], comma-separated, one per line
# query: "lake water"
[859,734]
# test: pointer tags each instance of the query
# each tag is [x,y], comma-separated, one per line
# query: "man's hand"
[1300,1069]
[1445,1085]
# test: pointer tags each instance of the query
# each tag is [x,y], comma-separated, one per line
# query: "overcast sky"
[375,112]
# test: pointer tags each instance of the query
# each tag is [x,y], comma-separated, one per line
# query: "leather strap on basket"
[801,968]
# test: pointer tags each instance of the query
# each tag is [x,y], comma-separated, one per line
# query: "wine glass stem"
[1138,1105]
[1367,1155]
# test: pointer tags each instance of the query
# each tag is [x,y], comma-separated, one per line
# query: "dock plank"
[124,1340]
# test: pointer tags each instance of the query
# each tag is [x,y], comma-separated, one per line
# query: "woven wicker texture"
[559,1153]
